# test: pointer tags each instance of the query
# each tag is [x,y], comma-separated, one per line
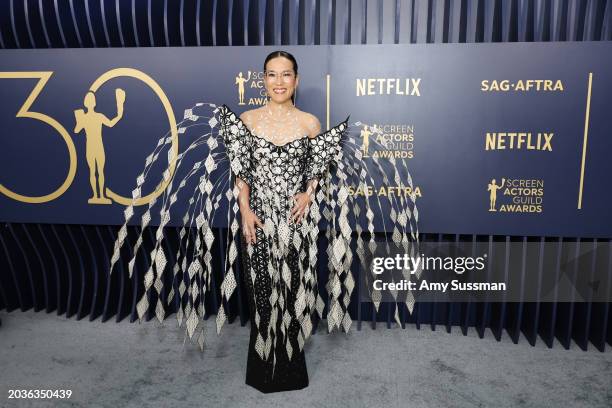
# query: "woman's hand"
[249,222]
[302,201]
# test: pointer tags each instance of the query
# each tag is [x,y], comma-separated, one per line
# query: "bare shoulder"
[311,123]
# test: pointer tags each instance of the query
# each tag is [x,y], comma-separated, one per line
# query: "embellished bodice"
[281,168]
[276,172]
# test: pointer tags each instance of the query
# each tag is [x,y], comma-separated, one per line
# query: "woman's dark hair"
[290,57]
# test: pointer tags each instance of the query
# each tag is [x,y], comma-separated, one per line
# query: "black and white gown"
[280,270]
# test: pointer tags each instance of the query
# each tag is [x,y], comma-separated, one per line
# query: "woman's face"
[281,81]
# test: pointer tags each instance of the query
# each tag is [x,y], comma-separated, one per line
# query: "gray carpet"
[146,365]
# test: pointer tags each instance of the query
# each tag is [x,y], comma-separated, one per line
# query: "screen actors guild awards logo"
[519,195]
[387,141]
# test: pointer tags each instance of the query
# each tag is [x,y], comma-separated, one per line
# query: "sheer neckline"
[272,143]
[285,144]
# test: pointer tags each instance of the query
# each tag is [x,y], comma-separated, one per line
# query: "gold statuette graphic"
[240,81]
[365,134]
[91,122]
[493,187]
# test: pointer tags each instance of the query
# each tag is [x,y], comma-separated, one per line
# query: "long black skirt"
[288,374]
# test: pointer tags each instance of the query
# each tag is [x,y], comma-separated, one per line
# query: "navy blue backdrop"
[465,119]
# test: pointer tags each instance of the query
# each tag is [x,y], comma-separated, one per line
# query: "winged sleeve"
[323,150]
[238,143]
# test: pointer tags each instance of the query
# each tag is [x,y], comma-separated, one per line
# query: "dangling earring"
[294,96]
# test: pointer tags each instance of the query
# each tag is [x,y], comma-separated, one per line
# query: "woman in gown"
[277,187]
[280,175]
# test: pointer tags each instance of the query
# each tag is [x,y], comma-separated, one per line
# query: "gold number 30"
[24,112]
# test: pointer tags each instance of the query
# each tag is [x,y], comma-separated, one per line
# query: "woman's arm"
[311,188]
[314,129]
[249,219]
[243,195]
[303,200]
